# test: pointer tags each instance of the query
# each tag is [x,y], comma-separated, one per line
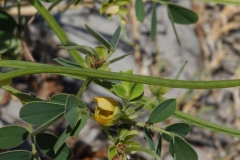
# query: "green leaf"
[153,22]
[234,2]
[62,138]
[162,111]
[25,98]
[112,151]
[183,150]
[83,49]
[47,124]
[12,136]
[46,144]
[8,24]
[182,15]
[39,113]
[130,135]
[120,91]
[143,150]
[119,58]
[173,25]
[20,154]
[72,113]
[102,52]
[180,71]
[139,10]
[136,90]
[48,0]
[115,37]
[181,129]
[121,2]
[148,138]
[60,98]
[171,149]
[5,82]
[80,124]
[159,146]
[66,62]
[99,37]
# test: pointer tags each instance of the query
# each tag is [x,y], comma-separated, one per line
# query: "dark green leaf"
[234,2]
[162,111]
[99,37]
[180,71]
[148,138]
[60,98]
[62,138]
[48,0]
[72,113]
[154,22]
[23,97]
[112,151]
[182,15]
[159,146]
[7,22]
[40,112]
[47,124]
[183,150]
[136,90]
[181,129]
[80,124]
[171,149]
[12,136]
[139,9]
[129,135]
[119,58]
[83,49]
[67,63]
[121,2]
[120,90]
[115,37]
[20,154]
[174,28]
[46,144]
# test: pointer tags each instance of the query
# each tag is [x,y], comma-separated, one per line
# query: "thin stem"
[122,77]
[160,130]
[107,133]
[55,27]
[34,151]
[84,86]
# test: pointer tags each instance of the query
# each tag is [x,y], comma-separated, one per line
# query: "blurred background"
[211,48]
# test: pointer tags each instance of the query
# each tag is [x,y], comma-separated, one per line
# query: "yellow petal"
[112,10]
[106,103]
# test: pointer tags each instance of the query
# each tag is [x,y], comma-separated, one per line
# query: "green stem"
[107,133]
[34,151]
[122,77]
[197,121]
[84,86]
[55,27]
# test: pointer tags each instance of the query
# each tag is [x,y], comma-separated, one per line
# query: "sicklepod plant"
[123,116]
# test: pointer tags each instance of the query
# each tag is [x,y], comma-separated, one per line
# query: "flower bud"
[107,112]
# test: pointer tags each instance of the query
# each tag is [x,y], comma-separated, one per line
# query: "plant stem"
[34,151]
[84,86]
[55,27]
[107,133]
[122,77]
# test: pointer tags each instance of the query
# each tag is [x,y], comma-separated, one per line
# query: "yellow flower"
[107,112]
